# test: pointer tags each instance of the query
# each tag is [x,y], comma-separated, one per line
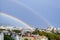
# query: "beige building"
[28,38]
[42,38]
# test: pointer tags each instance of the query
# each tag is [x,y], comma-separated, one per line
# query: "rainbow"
[33,11]
[18,20]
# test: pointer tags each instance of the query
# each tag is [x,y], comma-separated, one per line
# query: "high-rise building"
[1,36]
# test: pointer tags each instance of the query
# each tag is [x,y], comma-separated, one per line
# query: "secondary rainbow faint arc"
[12,17]
[34,12]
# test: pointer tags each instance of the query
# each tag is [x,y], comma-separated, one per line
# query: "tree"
[8,37]
[36,31]
[17,31]
[25,39]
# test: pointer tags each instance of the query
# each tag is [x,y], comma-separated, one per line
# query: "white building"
[58,30]
[17,37]
[1,36]
[10,28]
[2,27]
[50,28]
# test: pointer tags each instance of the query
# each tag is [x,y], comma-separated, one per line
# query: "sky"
[36,13]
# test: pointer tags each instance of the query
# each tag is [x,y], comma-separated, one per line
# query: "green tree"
[25,39]
[17,31]
[36,31]
[8,37]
